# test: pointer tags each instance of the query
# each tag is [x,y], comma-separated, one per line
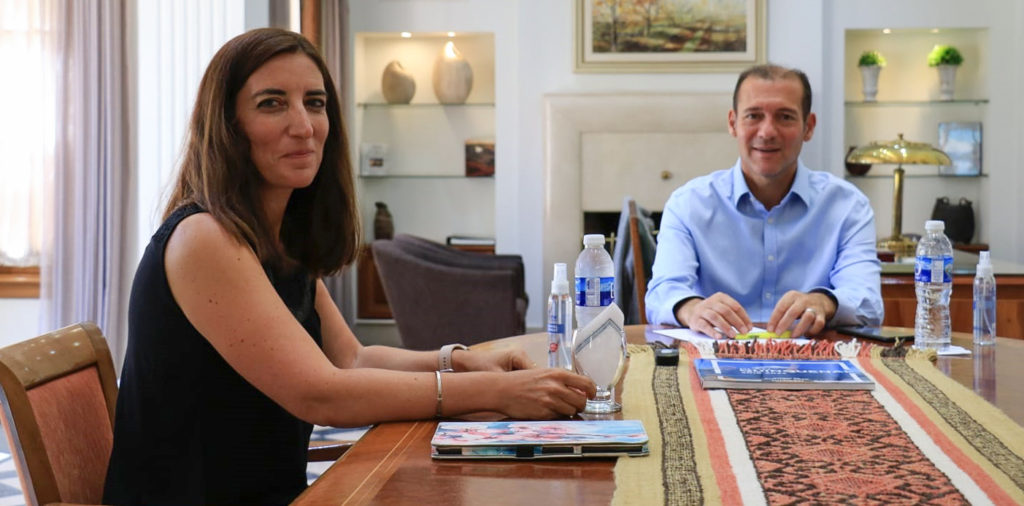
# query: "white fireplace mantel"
[624,142]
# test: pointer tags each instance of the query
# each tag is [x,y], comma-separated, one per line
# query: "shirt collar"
[801,184]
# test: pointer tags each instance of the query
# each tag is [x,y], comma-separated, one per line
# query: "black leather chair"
[441,295]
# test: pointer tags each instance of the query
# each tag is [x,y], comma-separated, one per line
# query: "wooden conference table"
[391,463]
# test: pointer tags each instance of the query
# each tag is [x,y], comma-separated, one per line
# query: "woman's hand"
[541,394]
[494,361]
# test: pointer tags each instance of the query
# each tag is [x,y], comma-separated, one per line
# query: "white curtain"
[86,206]
[335,42]
[175,40]
[27,50]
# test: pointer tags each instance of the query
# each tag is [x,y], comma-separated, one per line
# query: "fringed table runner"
[918,437]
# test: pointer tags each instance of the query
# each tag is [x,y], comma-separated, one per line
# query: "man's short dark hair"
[770,72]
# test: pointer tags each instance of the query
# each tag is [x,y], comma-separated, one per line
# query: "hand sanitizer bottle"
[984,302]
[560,320]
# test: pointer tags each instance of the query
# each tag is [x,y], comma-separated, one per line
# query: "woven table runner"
[919,437]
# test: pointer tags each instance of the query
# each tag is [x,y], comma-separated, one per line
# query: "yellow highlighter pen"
[763,335]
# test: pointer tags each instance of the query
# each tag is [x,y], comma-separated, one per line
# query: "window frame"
[19,282]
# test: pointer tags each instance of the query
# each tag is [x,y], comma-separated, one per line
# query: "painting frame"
[586,60]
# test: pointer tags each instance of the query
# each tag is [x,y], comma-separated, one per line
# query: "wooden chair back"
[639,273]
[59,393]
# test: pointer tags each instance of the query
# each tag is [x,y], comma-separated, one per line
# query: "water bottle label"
[556,328]
[933,269]
[595,292]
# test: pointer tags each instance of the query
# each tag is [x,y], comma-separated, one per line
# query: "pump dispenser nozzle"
[984,264]
[560,280]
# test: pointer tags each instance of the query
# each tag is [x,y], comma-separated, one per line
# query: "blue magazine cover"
[781,374]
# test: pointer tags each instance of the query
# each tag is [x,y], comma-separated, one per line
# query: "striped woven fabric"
[919,437]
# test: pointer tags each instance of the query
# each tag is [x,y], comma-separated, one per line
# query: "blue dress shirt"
[715,236]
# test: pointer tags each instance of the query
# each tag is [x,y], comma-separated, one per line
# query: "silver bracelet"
[439,396]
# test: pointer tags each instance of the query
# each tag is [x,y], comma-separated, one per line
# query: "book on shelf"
[781,374]
[469,240]
[539,440]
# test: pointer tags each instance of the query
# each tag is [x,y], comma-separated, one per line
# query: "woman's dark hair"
[320,230]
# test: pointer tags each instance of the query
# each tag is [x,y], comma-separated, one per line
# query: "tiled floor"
[10,487]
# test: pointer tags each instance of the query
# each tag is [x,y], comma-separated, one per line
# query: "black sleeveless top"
[188,428]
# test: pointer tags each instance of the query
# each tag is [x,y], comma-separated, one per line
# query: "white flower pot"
[869,81]
[947,81]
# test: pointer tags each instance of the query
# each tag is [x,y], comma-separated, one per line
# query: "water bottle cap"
[934,226]
[593,240]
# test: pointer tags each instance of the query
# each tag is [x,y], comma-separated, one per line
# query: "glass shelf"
[914,176]
[913,103]
[381,105]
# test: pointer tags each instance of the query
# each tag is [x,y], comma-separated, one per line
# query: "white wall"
[534,53]
[19,320]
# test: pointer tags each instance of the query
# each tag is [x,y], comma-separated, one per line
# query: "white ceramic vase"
[453,77]
[947,81]
[397,84]
[869,81]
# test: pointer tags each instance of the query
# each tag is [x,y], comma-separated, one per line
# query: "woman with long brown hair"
[235,347]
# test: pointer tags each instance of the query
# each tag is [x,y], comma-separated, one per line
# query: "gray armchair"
[440,295]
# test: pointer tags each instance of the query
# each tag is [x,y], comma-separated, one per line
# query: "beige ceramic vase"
[453,77]
[397,84]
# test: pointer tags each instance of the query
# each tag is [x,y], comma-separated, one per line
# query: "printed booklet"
[781,374]
[539,440]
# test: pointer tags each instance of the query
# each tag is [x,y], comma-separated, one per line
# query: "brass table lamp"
[899,152]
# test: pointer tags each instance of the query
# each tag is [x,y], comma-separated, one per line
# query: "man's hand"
[812,309]
[717,316]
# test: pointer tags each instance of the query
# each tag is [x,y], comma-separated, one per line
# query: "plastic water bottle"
[933,282]
[595,280]
[984,302]
[560,320]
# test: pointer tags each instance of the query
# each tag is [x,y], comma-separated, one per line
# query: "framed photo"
[373,159]
[669,35]
[479,158]
[962,142]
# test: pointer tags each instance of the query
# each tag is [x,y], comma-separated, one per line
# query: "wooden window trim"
[19,282]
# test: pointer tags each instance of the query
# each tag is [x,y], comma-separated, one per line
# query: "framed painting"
[669,35]
[962,142]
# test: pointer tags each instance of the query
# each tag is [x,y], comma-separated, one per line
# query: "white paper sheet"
[954,350]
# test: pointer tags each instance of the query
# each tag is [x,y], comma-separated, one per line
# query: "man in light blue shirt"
[768,240]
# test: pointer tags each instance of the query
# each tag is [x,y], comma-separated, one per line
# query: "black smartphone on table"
[884,334]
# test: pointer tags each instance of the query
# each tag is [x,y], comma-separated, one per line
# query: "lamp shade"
[900,152]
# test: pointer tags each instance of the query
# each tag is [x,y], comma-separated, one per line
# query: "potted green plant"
[946,59]
[870,64]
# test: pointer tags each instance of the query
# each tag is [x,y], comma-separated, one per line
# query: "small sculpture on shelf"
[397,84]
[453,77]
[946,59]
[870,64]
[383,224]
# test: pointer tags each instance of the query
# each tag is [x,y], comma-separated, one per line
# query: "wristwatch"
[444,358]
